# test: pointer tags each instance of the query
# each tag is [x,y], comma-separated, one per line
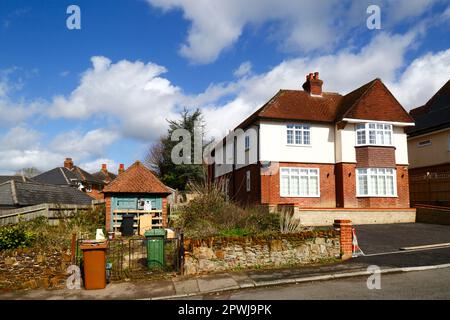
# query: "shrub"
[210,214]
[12,237]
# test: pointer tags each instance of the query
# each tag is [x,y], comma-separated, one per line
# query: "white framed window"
[424,143]
[247,142]
[379,134]
[298,134]
[247,181]
[299,182]
[376,182]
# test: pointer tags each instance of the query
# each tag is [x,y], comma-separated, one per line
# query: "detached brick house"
[325,154]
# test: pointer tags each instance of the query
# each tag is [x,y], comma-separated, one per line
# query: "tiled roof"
[136,179]
[19,193]
[434,115]
[16,178]
[372,101]
[106,177]
[64,176]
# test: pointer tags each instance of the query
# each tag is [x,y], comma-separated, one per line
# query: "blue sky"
[101,94]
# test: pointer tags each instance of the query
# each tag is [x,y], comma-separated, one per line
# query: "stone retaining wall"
[30,269]
[219,254]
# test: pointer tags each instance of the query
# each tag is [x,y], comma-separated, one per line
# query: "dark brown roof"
[372,101]
[434,115]
[136,179]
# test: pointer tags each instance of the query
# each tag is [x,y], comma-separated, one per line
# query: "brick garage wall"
[220,254]
[270,187]
[375,157]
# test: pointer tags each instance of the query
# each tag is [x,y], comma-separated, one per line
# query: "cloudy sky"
[102,94]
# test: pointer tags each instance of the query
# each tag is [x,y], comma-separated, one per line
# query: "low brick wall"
[29,269]
[219,254]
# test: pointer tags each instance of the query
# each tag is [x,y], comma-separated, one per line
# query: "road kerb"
[307,279]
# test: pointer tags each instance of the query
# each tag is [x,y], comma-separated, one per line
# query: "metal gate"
[127,258]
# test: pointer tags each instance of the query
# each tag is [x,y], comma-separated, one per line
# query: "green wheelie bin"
[155,248]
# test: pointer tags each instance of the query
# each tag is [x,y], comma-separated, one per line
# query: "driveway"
[381,244]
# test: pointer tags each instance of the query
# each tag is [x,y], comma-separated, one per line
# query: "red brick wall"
[345,185]
[375,157]
[270,188]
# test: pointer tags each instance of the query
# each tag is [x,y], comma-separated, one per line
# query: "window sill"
[283,196]
[299,145]
[366,196]
[375,145]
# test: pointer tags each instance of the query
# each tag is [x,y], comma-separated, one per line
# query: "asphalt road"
[432,284]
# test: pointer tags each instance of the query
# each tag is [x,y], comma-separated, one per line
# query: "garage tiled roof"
[136,179]
[21,194]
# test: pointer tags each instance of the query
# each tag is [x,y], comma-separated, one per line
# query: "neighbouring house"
[139,192]
[18,194]
[322,154]
[74,176]
[104,175]
[429,150]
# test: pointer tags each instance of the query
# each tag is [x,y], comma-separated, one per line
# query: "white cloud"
[303,26]
[244,69]
[96,165]
[133,95]
[93,143]
[423,77]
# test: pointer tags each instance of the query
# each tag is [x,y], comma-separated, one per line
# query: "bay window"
[298,134]
[376,182]
[299,182]
[374,134]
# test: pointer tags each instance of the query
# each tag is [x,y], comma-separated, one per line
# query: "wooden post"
[74,239]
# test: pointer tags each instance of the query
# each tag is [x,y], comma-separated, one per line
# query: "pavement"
[380,243]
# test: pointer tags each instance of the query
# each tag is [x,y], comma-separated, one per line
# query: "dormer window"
[378,134]
[298,134]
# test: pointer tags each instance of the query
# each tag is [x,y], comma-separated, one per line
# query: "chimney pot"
[313,84]
[121,168]
[68,163]
[104,167]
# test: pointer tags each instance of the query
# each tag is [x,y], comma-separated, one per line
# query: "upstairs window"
[378,134]
[298,134]
[247,142]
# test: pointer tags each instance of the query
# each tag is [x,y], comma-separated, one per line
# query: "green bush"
[12,237]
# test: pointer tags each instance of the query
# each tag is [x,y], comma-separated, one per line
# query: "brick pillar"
[108,213]
[345,228]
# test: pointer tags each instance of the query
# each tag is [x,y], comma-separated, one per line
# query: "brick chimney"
[68,163]
[104,168]
[121,168]
[313,85]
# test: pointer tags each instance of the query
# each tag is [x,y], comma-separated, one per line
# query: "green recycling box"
[155,248]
